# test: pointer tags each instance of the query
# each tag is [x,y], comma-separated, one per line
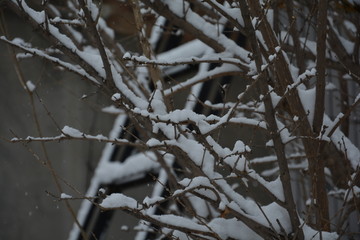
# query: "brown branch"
[317,169]
[154,71]
[299,54]
[85,137]
[345,116]
[68,66]
[91,26]
[320,66]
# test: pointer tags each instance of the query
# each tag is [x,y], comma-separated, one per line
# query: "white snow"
[112,110]
[200,185]
[352,192]
[307,98]
[124,228]
[119,200]
[127,55]
[312,234]
[151,201]
[178,221]
[30,86]
[343,143]
[102,191]
[357,98]
[108,172]
[65,196]
[116,97]
[72,132]
[232,228]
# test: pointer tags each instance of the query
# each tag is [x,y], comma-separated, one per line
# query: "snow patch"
[30,86]
[119,200]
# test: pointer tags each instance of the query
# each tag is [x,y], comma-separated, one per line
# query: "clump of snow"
[275,99]
[240,147]
[108,172]
[330,87]
[180,222]
[93,9]
[124,228]
[312,234]
[39,17]
[30,86]
[72,132]
[21,42]
[112,110]
[157,101]
[127,55]
[102,25]
[237,162]
[65,196]
[305,75]
[357,98]
[264,66]
[342,143]
[307,98]
[275,212]
[150,201]
[195,182]
[269,143]
[351,193]
[119,200]
[116,97]
[102,191]
[232,229]
[272,57]
[201,185]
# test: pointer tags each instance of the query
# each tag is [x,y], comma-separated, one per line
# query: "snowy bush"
[224,103]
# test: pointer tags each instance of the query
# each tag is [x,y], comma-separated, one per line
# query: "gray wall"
[26,212]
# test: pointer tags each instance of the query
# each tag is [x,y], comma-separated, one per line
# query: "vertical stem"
[320,66]
[299,54]
[317,171]
[344,98]
[154,71]
[272,125]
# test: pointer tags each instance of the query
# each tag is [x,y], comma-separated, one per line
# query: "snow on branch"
[68,66]
[225,69]
[214,58]
[69,133]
